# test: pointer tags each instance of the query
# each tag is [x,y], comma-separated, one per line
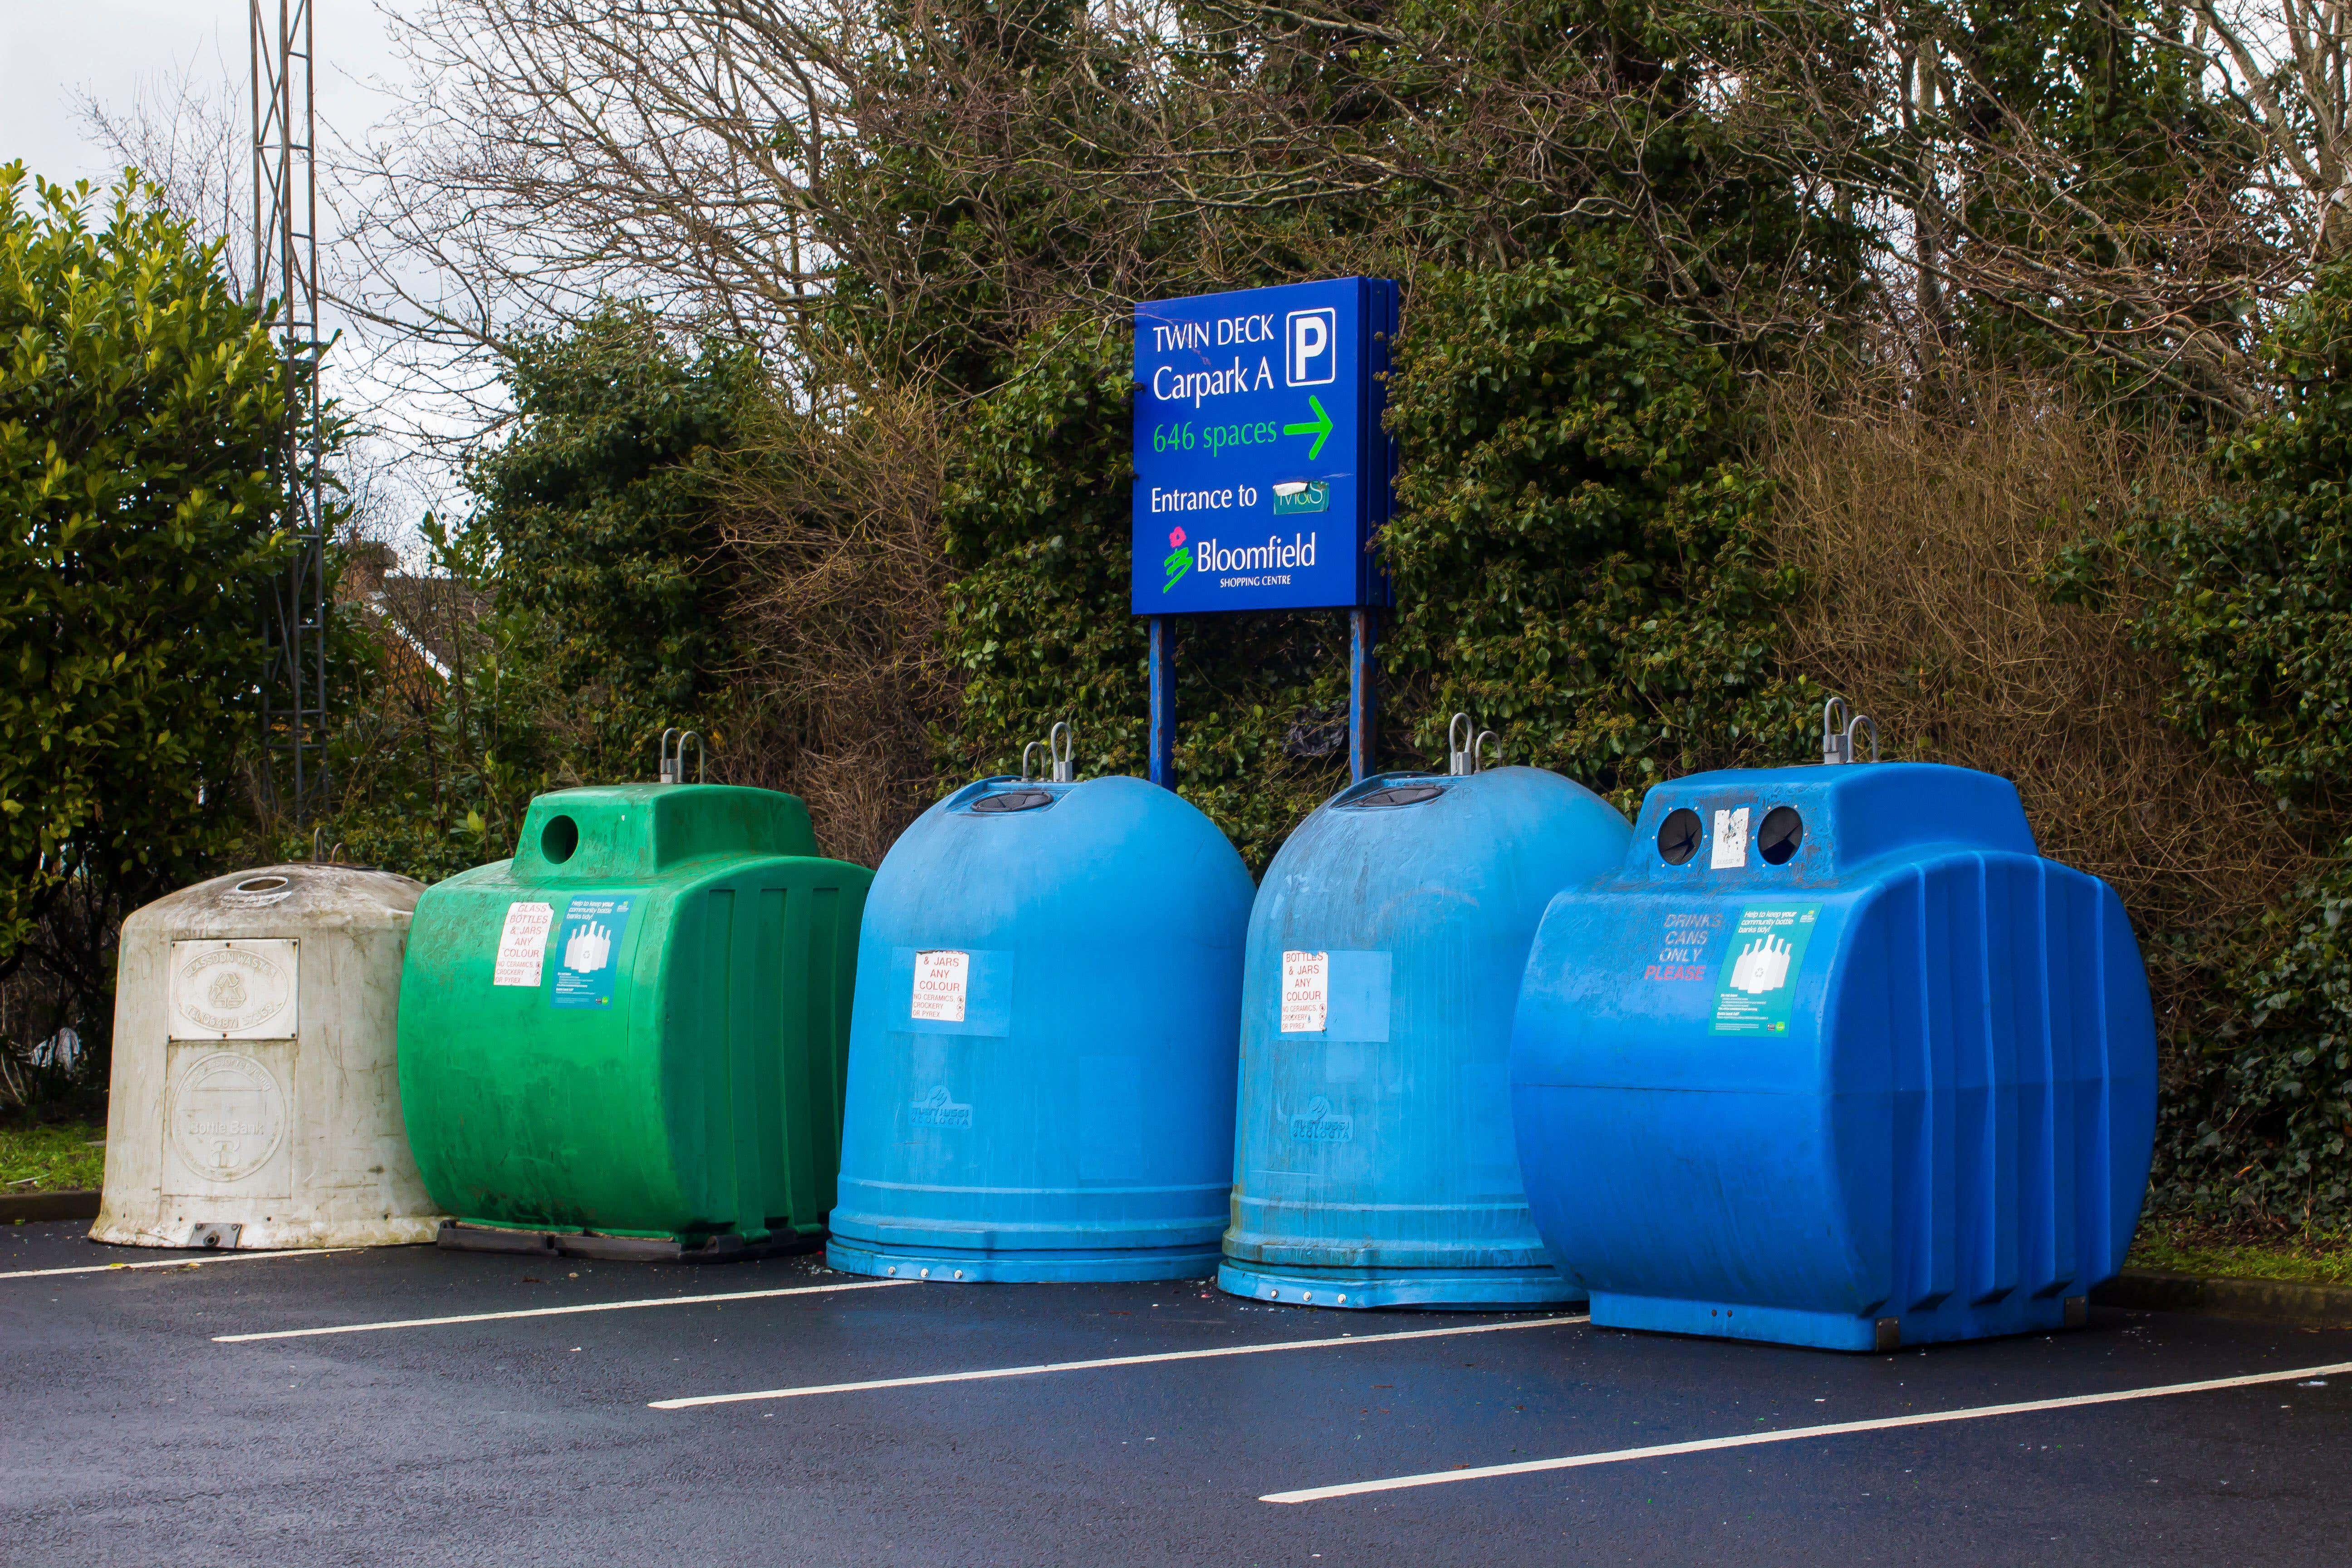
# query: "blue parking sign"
[1261,471]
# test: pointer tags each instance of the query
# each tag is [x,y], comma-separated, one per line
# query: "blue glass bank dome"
[1375,1165]
[1041,1058]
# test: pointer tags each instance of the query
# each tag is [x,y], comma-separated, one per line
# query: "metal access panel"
[1262,473]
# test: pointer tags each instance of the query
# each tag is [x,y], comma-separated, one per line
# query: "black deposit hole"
[1782,832]
[1678,836]
[1014,800]
[558,839]
[260,885]
[1400,794]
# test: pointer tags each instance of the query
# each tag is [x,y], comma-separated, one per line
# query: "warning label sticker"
[1305,993]
[1757,982]
[942,985]
[522,944]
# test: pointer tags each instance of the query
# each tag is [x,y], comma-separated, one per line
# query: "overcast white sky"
[49,48]
[51,51]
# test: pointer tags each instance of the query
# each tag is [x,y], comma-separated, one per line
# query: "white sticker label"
[522,944]
[943,981]
[1730,840]
[1305,993]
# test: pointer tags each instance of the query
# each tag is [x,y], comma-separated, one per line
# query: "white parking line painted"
[1794,1434]
[1340,1341]
[205,1260]
[558,1311]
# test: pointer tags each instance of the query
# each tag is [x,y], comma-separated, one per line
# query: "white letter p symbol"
[1311,359]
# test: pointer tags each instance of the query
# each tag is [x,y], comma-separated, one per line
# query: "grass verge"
[2190,1249]
[44,1159]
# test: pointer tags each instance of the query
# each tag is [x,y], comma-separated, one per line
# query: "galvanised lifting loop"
[673,757]
[1062,746]
[1835,749]
[1460,746]
[1026,776]
[1478,751]
[1856,722]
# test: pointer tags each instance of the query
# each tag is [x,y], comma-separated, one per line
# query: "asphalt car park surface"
[141,1422]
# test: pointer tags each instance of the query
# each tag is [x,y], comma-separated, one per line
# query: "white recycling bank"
[255,1100]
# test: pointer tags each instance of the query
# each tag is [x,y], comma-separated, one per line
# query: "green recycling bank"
[636,1031]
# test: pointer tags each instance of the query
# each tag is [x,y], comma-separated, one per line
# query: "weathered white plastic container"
[256,1101]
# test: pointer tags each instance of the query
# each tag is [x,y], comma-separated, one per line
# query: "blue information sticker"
[1756,988]
[588,951]
[1261,469]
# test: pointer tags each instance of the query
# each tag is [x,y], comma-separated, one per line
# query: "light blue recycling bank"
[1041,1071]
[1373,1164]
[1836,1058]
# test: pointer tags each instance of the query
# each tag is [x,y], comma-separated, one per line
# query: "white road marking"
[1341,1342]
[1790,1435]
[203,1260]
[558,1311]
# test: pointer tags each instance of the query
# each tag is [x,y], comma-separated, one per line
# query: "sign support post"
[1364,706]
[1164,701]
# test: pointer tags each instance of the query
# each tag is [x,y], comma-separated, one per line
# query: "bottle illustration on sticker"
[590,948]
[1755,989]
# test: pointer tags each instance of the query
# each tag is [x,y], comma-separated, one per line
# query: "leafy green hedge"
[2251,598]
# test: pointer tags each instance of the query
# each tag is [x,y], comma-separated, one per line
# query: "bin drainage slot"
[1399,794]
[1014,800]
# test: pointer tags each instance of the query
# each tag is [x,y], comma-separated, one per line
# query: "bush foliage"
[140,407]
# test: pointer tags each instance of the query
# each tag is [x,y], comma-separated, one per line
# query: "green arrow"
[1320,428]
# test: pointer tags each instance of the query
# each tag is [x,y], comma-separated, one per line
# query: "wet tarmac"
[142,1422]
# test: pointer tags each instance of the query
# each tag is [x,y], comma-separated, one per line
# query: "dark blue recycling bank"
[1041,1051]
[1373,1164]
[1836,1058]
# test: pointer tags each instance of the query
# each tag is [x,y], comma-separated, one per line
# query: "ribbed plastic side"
[2001,973]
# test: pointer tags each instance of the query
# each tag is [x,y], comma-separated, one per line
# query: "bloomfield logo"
[1180,559]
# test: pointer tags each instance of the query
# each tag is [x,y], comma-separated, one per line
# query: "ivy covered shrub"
[2251,598]
[579,609]
[598,513]
[1580,556]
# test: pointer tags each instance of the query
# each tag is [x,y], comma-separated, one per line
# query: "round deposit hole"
[558,839]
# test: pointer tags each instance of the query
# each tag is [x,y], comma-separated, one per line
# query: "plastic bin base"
[1838,1331]
[955,1265]
[1465,1289]
[462,1236]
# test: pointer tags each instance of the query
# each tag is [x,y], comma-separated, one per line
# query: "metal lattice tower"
[286,279]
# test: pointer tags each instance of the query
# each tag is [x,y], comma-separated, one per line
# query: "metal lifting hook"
[673,761]
[1465,751]
[1837,742]
[1062,747]
[1856,722]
